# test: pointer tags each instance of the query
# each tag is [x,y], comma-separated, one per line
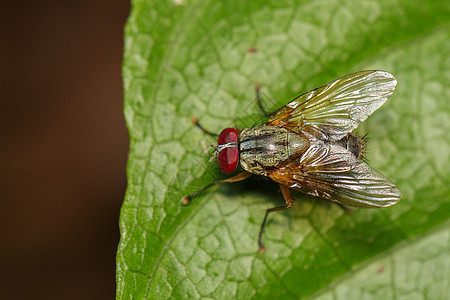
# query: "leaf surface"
[192,58]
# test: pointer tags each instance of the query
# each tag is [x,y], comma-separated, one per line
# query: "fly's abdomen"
[267,147]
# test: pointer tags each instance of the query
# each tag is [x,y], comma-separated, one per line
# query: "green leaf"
[190,58]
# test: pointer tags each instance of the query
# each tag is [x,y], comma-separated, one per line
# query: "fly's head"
[227,150]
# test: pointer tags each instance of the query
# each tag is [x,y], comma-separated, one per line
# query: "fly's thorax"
[267,147]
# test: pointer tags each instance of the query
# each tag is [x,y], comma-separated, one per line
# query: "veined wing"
[331,111]
[331,172]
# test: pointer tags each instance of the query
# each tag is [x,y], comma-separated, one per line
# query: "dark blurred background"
[63,147]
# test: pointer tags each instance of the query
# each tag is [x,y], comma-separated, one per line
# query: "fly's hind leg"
[346,209]
[289,203]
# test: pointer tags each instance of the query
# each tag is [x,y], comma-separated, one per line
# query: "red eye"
[228,158]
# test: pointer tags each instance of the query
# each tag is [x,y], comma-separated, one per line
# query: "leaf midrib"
[388,253]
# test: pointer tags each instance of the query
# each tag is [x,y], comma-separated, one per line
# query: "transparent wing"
[331,111]
[331,172]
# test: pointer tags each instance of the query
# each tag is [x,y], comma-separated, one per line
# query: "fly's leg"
[289,203]
[239,177]
[346,209]
[259,101]
[196,123]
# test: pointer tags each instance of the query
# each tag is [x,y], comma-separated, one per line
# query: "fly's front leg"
[239,177]
[194,121]
[289,203]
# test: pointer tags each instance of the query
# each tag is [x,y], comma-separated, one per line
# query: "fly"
[307,146]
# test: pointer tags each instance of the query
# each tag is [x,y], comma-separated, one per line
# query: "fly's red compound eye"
[228,157]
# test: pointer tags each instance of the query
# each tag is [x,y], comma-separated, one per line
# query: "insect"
[307,146]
